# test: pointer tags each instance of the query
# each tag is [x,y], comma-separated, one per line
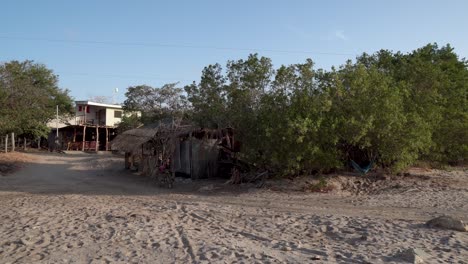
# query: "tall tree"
[248,81]
[208,98]
[156,103]
[393,108]
[29,94]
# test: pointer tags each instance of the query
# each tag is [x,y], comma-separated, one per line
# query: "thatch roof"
[132,140]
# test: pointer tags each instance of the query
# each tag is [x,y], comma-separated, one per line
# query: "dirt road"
[83,208]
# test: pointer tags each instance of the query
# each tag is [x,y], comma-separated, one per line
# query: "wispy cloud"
[339,34]
[335,35]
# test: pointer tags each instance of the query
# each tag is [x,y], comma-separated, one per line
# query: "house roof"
[98,104]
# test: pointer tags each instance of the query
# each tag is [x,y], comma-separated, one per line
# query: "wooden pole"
[12,141]
[74,134]
[142,161]
[127,160]
[84,137]
[97,138]
[172,164]
[191,156]
[107,139]
[6,143]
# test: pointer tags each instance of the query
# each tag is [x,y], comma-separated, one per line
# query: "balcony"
[81,120]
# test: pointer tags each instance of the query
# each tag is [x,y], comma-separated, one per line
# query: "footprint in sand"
[37,257]
[29,240]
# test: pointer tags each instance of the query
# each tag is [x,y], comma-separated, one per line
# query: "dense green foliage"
[28,97]
[390,107]
[129,122]
[154,103]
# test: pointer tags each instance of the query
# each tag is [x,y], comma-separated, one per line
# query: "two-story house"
[91,128]
[91,113]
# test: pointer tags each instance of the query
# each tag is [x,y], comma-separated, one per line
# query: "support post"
[6,143]
[74,134]
[141,165]
[97,138]
[56,124]
[107,139]
[172,164]
[190,156]
[127,160]
[12,141]
[84,137]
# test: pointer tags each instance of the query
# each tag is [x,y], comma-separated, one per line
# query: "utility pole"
[116,90]
[56,123]
[56,131]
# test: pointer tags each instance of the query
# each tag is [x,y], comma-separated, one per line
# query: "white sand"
[79,208]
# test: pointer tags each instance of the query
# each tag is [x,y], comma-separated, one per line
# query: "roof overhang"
[98,104]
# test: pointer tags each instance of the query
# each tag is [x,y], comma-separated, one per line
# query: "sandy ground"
[83,208]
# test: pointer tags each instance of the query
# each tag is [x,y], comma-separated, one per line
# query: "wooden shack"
[186,150]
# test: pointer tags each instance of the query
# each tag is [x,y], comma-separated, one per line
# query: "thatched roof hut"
[132,140]
[191,150]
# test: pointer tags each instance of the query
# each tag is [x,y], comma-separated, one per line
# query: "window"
[87,109]
[118,114]
[79,108]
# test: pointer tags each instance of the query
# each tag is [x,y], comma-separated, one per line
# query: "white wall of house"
[113,117]
[100,114]
[95,113]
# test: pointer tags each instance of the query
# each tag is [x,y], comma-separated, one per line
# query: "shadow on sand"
[99,174]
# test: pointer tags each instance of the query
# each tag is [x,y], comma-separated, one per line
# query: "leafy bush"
[389,107]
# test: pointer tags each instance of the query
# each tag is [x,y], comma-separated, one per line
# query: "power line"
[123,76]
[166,45]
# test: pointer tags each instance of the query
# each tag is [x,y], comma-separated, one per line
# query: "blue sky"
[96,46]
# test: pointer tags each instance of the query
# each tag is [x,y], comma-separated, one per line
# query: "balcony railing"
[81,120]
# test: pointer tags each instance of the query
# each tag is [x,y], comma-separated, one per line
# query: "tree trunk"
[6,143]
[12,142]
[39,143]
[24,143]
